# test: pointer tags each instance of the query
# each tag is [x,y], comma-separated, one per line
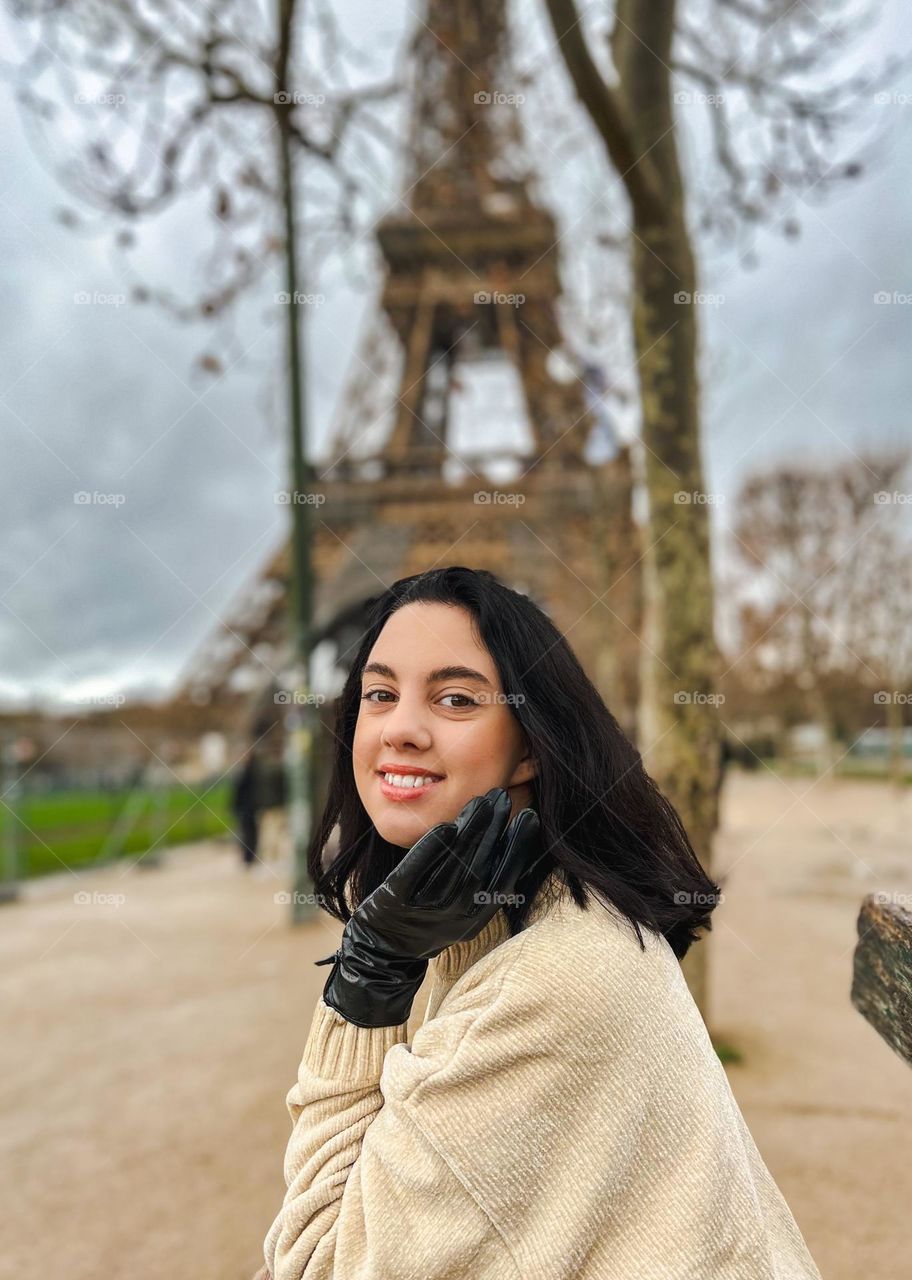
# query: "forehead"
[422,637]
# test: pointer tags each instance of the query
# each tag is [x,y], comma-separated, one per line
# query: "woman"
[560,1112]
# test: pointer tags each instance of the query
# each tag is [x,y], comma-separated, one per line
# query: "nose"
[404,725]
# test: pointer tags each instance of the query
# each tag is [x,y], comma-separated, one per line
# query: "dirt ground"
[154,1021]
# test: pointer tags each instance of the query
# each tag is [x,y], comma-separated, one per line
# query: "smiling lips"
[401,785]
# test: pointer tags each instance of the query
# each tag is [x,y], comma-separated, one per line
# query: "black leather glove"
[445,890]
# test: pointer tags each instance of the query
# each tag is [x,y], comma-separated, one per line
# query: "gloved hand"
[443,891]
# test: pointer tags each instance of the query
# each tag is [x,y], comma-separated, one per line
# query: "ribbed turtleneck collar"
[454,960]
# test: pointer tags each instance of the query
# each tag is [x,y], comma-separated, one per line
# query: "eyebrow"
[442,673]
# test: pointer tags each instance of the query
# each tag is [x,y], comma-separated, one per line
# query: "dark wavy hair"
[605,825]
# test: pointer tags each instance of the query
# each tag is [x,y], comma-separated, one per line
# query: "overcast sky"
[100,397]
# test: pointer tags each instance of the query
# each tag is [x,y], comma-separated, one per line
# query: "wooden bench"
[882,971]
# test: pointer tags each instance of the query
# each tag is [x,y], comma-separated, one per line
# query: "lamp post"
[301,712]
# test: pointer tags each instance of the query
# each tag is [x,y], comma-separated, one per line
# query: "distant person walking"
[244,805]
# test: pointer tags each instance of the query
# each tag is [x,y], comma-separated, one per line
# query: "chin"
[405,830]
[402,824]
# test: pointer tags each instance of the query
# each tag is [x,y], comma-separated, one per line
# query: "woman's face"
[454,724]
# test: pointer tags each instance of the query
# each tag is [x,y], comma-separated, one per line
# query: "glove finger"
[472,819]
[518,851]
[472,825]
[437,882]
[424,856]
[496,815]
[446,857]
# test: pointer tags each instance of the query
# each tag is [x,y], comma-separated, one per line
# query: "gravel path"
[154,1026]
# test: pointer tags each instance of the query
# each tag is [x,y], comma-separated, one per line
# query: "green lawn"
[74,828]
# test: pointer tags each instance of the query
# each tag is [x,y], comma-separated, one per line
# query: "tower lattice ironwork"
[472,276]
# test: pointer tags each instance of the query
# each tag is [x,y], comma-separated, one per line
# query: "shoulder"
[573,964]
[574,982]
[541,1043]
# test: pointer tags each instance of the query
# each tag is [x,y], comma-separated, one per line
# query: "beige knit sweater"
[560,1114]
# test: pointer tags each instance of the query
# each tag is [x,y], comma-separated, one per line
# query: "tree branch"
[606,111]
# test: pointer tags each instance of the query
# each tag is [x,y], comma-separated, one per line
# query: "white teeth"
[406,780]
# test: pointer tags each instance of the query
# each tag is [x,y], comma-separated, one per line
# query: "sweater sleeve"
[368,1195]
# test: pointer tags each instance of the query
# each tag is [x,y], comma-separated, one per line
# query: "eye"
[466,701]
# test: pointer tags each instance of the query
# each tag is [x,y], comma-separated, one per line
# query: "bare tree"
[172,102]
[222,101]
[747,51]
[817,558]
[881,616]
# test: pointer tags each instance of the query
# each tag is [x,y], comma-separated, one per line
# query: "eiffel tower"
[472,280]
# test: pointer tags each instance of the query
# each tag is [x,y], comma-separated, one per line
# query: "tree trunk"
[680,658]
[680,726]
[895,727]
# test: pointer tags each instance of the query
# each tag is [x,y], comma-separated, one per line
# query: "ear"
[525,771]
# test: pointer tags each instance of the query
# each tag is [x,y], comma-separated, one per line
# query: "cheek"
[362,744]
[482,749]
[363,755]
